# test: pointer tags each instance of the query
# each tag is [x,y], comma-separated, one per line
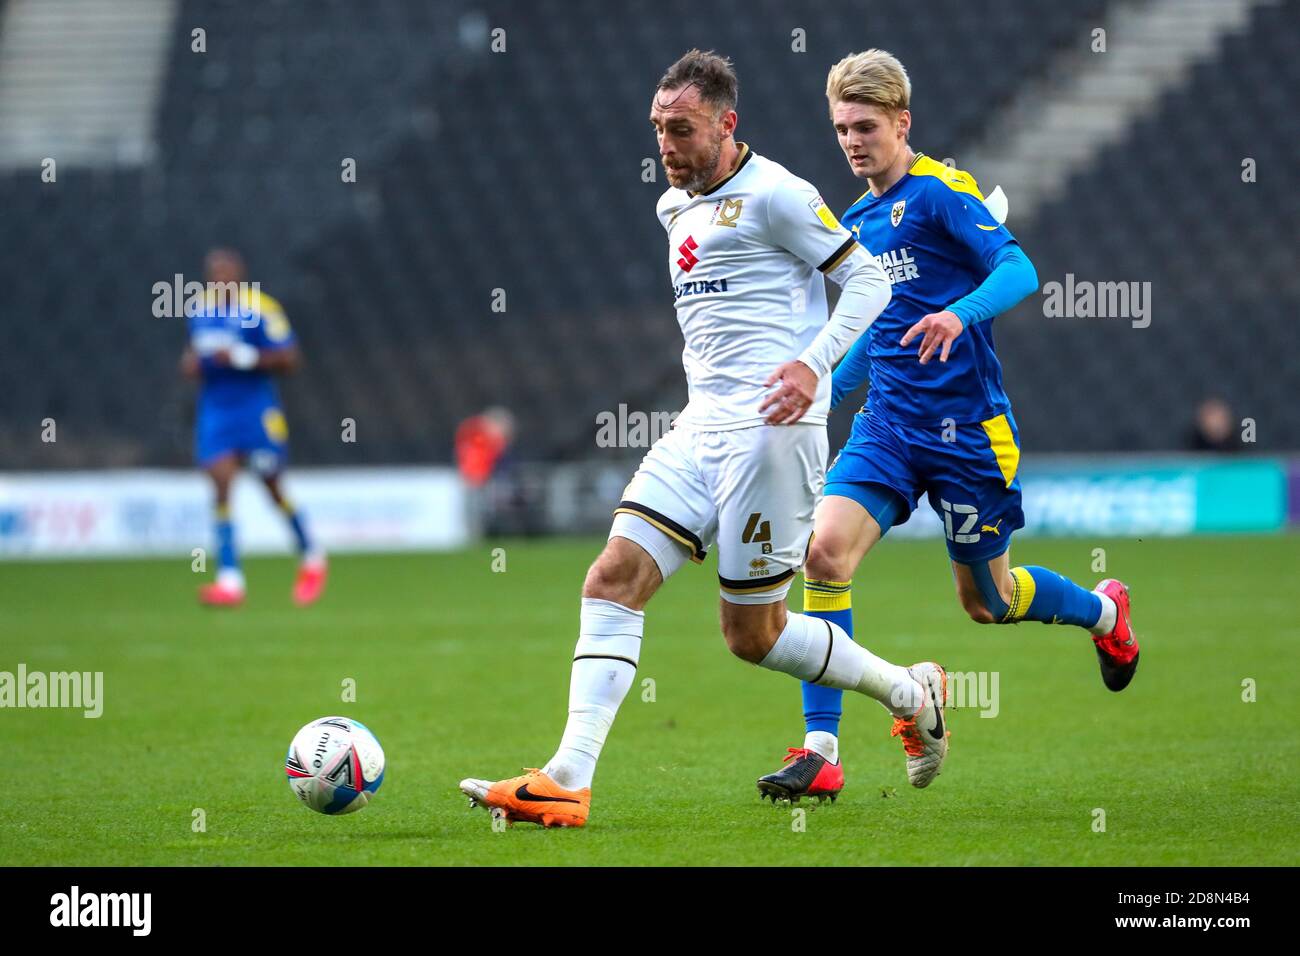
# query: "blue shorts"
[260,434]
[970,478]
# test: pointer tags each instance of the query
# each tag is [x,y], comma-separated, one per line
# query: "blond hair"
[874,77]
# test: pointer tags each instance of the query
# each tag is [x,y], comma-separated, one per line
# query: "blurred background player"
[942,428]
[240,340]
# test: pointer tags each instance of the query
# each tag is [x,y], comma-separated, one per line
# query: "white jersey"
[746,258]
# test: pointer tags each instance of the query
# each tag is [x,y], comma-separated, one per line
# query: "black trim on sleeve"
[838,255]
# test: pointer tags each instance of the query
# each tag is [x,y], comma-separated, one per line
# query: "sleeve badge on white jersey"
[824,213]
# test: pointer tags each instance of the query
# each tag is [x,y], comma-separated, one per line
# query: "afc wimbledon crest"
[896,214]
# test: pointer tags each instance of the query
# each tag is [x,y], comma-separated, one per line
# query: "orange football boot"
[532,798]
[925,741]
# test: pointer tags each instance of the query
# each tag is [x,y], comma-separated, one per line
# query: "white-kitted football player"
[748,245]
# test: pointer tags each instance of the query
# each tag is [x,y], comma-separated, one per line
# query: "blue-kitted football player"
[240,340]
[937,421]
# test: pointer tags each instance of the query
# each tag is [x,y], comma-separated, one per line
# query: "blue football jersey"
[936,240]
[259,320]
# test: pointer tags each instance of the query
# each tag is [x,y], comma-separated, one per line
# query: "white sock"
[819,651]
[609,646]
[232,578]
[824,743]
[1109,615]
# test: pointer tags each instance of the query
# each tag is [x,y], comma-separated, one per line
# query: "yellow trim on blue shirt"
[958,180]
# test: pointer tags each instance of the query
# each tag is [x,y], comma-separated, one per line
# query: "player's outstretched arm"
[799,222]
[864,294]
[1010,275]
[1012,278]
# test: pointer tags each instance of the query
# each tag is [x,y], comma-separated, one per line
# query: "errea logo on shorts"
[103,909]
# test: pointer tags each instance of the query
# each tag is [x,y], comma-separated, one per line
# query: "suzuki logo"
[689,259]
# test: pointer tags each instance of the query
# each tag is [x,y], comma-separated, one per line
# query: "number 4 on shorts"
[756,530]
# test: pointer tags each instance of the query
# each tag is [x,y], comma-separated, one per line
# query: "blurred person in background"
[482,442]
[1214,428]
[484,456]
[239,341]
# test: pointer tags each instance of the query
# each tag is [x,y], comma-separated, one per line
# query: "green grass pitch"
[463,671]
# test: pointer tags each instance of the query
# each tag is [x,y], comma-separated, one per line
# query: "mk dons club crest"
[896,214]
[728,212]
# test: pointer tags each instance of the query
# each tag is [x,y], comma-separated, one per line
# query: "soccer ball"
[334,765]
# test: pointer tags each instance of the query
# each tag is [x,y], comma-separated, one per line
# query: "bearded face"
[690,135]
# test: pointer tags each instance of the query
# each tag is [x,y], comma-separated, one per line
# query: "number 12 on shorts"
[967,515]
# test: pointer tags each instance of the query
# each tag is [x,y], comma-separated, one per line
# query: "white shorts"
[752,490]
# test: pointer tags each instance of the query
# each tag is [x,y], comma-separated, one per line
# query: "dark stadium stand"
[1168,206]
[522,172]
